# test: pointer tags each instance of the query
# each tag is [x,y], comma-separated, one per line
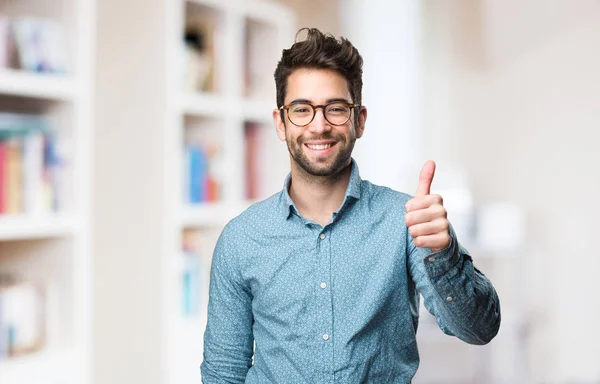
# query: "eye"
[337,108]
[300,109]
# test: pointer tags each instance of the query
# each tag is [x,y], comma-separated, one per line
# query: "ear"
[279,124]
[362,119]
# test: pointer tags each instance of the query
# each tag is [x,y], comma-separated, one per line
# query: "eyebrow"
[336,99]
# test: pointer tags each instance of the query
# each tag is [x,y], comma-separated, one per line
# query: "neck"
[317,197]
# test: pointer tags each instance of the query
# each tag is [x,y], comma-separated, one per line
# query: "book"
[30,166]
[200,181]
[4,41]
[197,174]
[33,173]
[197,247]
[3,177]
[252,147]
[40,44]
[12,177]
[22,321]
[198,44]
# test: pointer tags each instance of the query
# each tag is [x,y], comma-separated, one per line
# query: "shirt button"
[431,259]
[325,337]
[322,236]
[323,285]
[449,298]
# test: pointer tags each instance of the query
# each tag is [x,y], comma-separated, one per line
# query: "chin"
[321,170]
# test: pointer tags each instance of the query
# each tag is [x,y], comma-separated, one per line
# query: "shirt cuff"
[441,262]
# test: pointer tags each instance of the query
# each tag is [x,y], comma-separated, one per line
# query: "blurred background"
[132,131]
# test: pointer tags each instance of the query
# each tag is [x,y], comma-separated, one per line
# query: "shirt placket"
[325,305]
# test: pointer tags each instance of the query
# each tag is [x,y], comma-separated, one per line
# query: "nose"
[319,123]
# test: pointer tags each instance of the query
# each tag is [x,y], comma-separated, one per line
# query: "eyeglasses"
[302,114]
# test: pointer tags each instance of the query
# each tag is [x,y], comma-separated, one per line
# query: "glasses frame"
[315,107]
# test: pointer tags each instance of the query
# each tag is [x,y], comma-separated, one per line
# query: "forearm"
[463,300]
[228,340]
[225,363]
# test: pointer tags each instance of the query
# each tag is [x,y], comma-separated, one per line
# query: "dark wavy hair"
[320,51]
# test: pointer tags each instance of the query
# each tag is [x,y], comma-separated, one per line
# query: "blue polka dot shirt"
[291,301]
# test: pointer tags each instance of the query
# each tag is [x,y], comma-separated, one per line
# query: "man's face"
[320,148]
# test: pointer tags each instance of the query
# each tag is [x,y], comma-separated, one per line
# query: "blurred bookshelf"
[19,227]
[176,157]
[40,85]
[223,144]
[45,97]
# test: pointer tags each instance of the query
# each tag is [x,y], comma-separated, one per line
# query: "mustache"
[338,137]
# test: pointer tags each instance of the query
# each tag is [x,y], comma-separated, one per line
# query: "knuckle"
[441,211]
[417,230]
[444,224]
[445,239]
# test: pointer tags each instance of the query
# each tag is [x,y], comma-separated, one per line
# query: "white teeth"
[319,147]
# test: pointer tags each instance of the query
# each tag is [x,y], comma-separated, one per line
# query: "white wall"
[387,34]
[128,188]
[508,92]
[321,14]
[523,110]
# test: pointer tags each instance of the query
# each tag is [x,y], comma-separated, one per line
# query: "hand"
[426,217]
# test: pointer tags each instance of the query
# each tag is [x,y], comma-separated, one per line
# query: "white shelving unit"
[45,86]
[241,27]
[54,248]
[21,227]
[144,118]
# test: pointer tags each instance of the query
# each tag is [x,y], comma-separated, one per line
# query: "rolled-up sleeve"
[228,339]
[461,297]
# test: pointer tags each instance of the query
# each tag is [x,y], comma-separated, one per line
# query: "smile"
[319,147]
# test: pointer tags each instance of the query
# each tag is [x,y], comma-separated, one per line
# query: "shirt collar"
[352,191]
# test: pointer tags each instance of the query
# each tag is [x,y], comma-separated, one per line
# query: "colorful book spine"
[51,170]
[254,145]
[13,177]
[30,167]
[201,183]
[3,177]
[197,174]
[33,173]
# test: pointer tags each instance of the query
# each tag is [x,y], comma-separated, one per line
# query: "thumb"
[425,178]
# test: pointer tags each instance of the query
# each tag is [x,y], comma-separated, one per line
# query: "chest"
[291,270]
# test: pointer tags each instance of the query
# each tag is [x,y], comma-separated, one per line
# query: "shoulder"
[257,217]
[383,196]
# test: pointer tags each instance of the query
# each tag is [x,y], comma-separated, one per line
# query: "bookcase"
[229,115]
[45,129]
[184,141]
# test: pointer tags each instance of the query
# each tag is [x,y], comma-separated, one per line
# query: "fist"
[426,217]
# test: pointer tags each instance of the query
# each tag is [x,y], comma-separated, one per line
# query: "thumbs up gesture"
[426,217]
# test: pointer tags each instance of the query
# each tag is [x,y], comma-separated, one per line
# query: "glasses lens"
[301,114]
[337,113]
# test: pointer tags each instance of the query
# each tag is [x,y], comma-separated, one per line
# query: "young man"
[324,277]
